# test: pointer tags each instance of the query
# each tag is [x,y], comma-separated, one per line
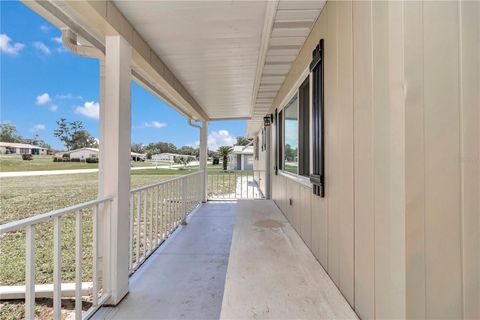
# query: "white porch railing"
[28,225]
[236,184]
[156,211]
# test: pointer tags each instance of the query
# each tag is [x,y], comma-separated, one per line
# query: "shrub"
[216,160]
[55,159]
[27,157]
[66,156]
[91,160]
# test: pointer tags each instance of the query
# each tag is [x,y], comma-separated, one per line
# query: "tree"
[8,133]
[224,152]
[138,147]
[83,139]
[242,141]
[73,135]
[290,153]
[183,160]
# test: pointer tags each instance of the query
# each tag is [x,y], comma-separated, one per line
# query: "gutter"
[69,39]
[190,122]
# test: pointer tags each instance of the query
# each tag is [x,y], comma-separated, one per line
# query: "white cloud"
[89,109]
[44,28]
[57,40]
[53,107]
[154,124]
[7,47]
[218,139]
[42,47]
[37,127]
[43,99]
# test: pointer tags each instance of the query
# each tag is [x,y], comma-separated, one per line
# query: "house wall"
[398,230]
[83,154]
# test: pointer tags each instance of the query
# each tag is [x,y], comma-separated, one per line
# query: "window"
[304,129]
[318,157]
[290,154]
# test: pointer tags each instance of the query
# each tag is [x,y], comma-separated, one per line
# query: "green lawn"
[22,197]
[10,163]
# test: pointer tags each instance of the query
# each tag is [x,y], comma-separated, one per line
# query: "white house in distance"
[84,153]
[169,157]
[241,158]
[21,148]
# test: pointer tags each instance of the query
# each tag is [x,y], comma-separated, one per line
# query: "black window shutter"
[276,141]
[304,129]
[317,69]
[280,140]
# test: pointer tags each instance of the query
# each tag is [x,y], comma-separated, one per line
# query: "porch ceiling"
[232,56]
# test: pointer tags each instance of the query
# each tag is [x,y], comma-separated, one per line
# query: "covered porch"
[233,260]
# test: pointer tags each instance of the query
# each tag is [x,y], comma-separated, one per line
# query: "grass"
[10,163]
[22,197]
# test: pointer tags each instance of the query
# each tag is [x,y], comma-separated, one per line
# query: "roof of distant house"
[19,145]
[242,149]
[97,150]
[173,154]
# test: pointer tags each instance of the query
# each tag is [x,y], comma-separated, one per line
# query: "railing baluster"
[139,201]
[145,194]
[241,185]
[57,268]
[151,220]
[132,204]
[30,272]
[156,216]
[164,220]
[78,264]
[95,256]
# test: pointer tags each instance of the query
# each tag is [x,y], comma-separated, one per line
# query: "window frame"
[305,180]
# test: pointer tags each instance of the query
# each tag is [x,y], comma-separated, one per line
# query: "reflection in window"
[291,137]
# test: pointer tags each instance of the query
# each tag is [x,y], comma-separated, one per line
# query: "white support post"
[203,159]
[115,122]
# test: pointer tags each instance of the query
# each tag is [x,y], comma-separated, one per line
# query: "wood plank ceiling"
[293,23]
[214,48]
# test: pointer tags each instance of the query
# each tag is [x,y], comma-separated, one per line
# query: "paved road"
[56,172]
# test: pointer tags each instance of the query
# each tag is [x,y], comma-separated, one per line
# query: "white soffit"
[212,47]
[292,25]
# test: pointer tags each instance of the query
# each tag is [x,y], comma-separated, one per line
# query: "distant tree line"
[167,147]
[8,133]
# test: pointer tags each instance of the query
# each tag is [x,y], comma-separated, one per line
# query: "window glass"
[291,137]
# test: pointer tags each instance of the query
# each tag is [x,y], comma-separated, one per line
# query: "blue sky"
[42,82]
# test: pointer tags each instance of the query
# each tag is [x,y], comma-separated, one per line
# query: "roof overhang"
[210,60]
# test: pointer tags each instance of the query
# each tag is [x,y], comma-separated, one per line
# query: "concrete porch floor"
[271,273]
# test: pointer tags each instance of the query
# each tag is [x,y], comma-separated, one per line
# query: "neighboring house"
[169,157]
[241,158]
[84,153]
[21,148]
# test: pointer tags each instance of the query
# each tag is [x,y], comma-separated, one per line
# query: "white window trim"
[305,181]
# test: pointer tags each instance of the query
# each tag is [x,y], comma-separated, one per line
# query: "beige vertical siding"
[399,229]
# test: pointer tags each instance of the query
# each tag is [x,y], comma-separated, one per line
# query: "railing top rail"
[20,224]
[164,182]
